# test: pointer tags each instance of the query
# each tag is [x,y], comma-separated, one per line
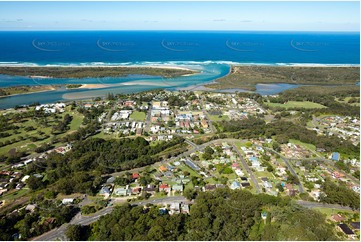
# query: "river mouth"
[98,87]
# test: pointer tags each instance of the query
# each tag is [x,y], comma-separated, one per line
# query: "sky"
[236,16]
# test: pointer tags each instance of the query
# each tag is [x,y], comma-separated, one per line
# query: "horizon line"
[174,30]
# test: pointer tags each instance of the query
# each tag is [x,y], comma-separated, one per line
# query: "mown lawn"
[76,122]
[190,170]
[216,118]
[305,145]
[16,194]
[296,104]
[346,99]
[139,116]
[331,211]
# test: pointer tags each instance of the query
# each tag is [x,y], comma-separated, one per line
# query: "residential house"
[174,208]
[267,185]
[185,208]
[163,168]
[346,230]
[177,188]
[239,172]
[136,190]
[123,191]
[25,178]
[235,185]
[135,176]
[335,156]
[204,123]
[67,201]
[150,189]
[110,180]
[355,225]
[30,207]
[164,187]
[209,187]
[338,217]
[245,184]
[105,191]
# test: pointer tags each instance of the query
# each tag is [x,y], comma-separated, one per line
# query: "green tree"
[74,232]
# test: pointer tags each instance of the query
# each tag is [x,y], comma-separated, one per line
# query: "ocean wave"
[189,64]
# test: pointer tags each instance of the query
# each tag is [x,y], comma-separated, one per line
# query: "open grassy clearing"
[296,104]
[42,129]
[305,145]
[217,118]
[139,116]
[347,99]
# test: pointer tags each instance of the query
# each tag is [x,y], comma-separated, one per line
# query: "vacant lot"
[295,104]
[139,116]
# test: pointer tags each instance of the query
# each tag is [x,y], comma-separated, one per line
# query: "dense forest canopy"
[220,215]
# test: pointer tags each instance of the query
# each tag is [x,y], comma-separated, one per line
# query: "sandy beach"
[42,77]
[93,86]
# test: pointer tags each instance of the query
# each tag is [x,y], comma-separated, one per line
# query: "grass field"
[210,180]
[346,101]
[76,122]
[331,211]
[16,194]
[190,170]
[261,174]
[305,145]
[216,118]
[295,104]
[27,144]
[139,116]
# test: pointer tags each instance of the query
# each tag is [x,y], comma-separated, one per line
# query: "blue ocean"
[211,53]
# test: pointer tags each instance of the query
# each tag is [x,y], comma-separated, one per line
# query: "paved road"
[321,205]
[245,165]
[167,200]
[147,120]
[211,126]
[289,168]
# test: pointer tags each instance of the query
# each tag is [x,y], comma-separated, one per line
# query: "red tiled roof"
[135,175]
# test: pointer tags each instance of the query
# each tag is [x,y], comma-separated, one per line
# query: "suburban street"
[245,165]
[290,169]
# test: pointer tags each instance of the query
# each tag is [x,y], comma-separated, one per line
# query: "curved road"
[289,168]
